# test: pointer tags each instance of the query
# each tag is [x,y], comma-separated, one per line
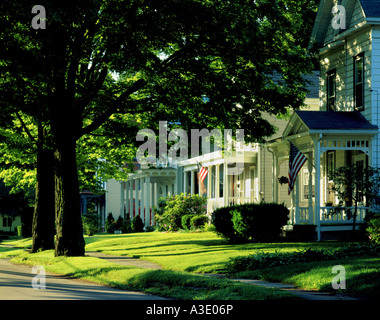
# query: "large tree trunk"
[69,238]
[43,227]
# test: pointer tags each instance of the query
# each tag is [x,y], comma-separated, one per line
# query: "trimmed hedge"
[198,221]
[260,222]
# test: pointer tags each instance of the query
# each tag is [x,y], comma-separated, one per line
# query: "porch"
[231,180]
[143,189]
[329,140]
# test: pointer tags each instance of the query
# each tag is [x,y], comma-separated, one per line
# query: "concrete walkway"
[124,260]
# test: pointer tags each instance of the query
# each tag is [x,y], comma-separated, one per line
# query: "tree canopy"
[146,60]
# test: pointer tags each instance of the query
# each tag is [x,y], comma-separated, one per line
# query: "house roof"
[371,8]
[326,120]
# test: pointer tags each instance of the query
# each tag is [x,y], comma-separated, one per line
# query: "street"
[16,284]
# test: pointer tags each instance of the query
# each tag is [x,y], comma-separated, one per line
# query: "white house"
[345,128]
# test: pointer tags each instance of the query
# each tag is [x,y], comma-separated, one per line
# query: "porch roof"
[309,122]
[330,120]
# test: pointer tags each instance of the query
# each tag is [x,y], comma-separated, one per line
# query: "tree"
[152,60]
[355,185]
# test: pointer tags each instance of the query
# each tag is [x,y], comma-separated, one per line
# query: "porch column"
[225,182]
[184,181]
[142,196]
[297,200]
[131,199]
[192,183]
[317,163]
[122,197]
[147,201]
[276,169]
[310,168]
[127,199]
[137,183]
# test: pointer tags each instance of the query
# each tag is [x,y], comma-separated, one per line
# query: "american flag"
[296,161]
[203,173]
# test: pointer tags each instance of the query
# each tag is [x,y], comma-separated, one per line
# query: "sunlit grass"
[172,284]
[205,252]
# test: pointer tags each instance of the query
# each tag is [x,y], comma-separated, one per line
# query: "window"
[359,82]
[306,180]
[331,90]
[7,222]
[330,164]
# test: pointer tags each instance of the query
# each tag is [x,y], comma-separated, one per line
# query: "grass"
[167,283]
[183,254]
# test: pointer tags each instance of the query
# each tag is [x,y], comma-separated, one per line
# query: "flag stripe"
[203,173]
[296,161]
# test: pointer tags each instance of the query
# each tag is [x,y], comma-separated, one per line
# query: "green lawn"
[183,254]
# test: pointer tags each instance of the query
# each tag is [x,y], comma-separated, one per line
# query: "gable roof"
[371,8]
[326,120]
[331,121]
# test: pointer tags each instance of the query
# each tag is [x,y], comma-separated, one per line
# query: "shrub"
[258,222]
[221,218]
[126,226]
[171,210]
[185,222]
[150,228]
[110,223]
[90,224]
[137,224]
[373,230]
[119,223]
[198,221]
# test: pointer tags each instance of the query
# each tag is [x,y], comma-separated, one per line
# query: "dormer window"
[359,82]
[331,90]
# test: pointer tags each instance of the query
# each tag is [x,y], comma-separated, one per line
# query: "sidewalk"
[304,294]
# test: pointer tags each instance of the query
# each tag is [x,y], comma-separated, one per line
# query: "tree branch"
[112,109]
[25,128]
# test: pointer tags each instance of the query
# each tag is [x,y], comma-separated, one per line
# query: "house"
[344,130]
[339,127]
[223,185]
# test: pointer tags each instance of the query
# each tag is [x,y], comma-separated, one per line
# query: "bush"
[137,224]
[373,230]
[150,228]
[185,222]
[261,222]
[171,210]
[198,221]
[126,226]
[221,218]
[110,223]
[90,224]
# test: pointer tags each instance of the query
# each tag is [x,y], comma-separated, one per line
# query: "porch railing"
[240,200]
[345,215]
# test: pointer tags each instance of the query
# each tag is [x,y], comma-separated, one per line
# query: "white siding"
[342,60]
[376,91]
[113,196]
